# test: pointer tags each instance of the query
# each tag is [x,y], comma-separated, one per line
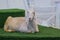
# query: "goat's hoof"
[37,31]
[9,30]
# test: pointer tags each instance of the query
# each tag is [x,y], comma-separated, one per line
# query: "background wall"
[5,4]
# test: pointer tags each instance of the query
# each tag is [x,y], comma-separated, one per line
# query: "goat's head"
[31,13]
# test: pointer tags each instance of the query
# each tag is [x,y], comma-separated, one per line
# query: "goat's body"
[19,24]
[15,24]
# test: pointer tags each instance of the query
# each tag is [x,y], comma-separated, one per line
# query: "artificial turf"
[11,10]
[44,32]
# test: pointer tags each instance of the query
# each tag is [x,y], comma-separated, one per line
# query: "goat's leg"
[6,28]
[37,30]
[36,26]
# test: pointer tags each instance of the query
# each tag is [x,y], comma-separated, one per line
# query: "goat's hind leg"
[6,28]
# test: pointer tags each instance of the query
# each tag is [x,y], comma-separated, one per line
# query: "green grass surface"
[44,32]
[11,10]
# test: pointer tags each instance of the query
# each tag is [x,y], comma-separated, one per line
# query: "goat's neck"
[33,17]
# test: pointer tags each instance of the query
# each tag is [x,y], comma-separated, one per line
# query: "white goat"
[20,24]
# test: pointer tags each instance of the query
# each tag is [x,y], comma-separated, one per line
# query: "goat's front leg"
[36,26]
[37,30]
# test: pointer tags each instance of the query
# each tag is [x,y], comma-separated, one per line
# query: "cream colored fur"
[13,22]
